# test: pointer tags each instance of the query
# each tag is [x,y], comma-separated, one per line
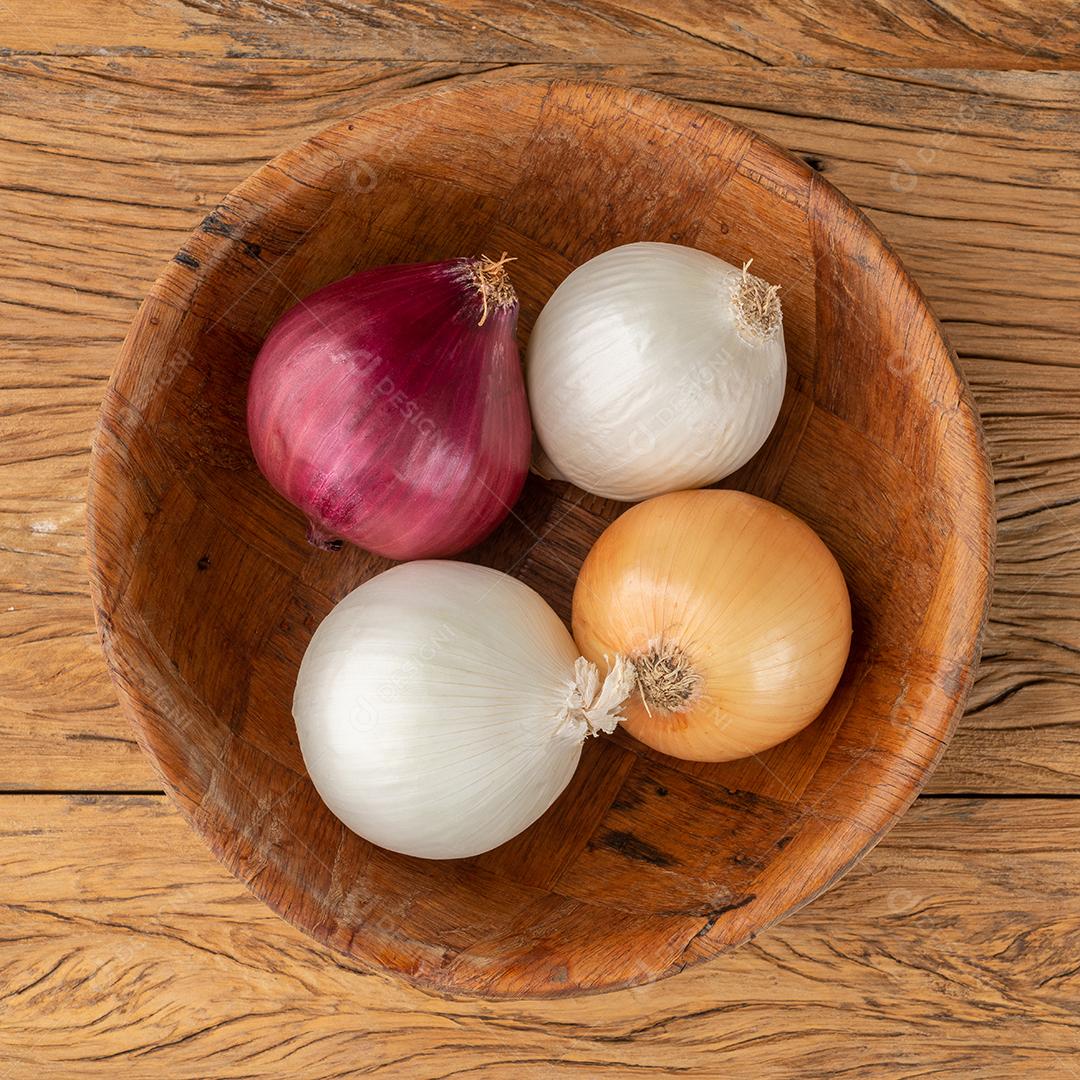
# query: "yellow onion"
[733,611]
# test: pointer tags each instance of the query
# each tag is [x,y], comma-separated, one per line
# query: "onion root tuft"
[493,282]
[756,304]
[665,679]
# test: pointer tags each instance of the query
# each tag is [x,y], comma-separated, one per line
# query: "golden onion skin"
[735,612]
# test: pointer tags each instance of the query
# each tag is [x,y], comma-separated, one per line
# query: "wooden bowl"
[207,593]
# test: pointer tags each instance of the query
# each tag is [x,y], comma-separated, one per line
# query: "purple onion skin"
[383,410]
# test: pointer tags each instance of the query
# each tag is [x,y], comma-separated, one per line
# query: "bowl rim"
[175,278]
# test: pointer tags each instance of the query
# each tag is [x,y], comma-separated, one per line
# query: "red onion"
[390,408]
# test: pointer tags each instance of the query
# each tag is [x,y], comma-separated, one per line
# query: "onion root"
[665,679]
[493,282]
[756,304]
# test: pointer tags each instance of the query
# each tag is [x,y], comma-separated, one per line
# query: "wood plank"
[937,956]
[108,162]
[987,34]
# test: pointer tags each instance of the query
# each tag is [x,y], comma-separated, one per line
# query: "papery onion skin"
[744,600]
[646,376]
[432,709]
[390,408]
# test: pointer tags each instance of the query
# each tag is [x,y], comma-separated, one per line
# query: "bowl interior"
[207,592]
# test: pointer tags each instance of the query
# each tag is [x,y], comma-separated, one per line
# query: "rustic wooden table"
[952,950]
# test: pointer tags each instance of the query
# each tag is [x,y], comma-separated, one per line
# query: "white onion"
[441,708]
[654,368]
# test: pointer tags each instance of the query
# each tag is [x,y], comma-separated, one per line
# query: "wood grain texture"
[207,593]
[949,952]
[107,160]
[916,33]
[107,163]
